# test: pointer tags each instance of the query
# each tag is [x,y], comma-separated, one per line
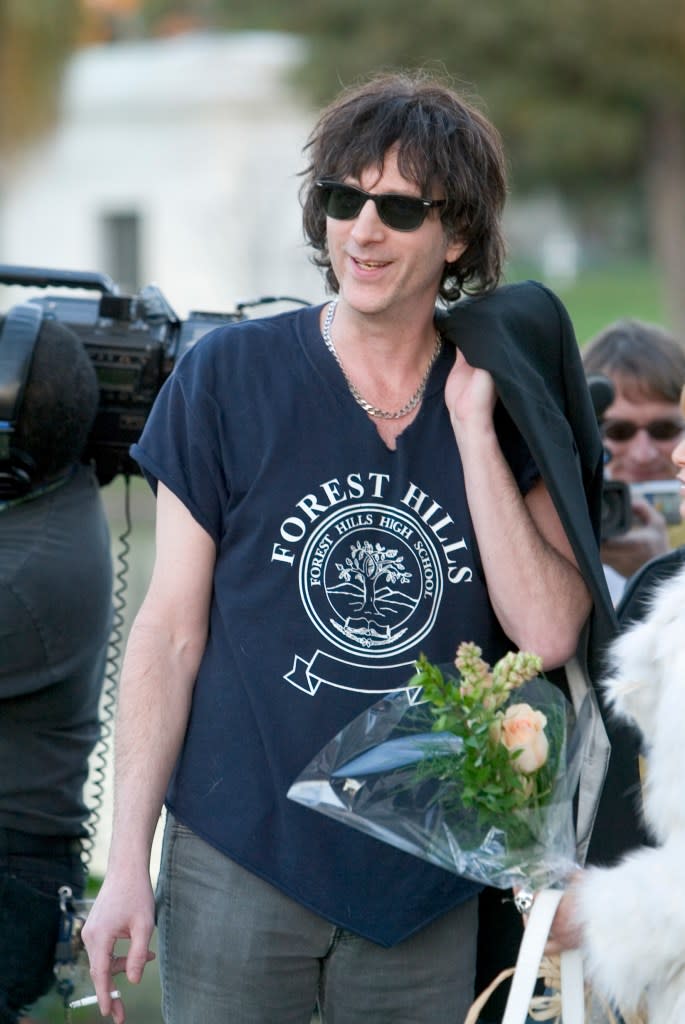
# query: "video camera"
[134,342]
[617,515]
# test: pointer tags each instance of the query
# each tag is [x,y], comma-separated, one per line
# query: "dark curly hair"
[59,402]
[440,138]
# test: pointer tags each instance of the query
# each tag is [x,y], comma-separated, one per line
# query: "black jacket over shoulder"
[522,334]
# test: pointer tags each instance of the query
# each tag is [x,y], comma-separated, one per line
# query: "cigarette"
[92,1000]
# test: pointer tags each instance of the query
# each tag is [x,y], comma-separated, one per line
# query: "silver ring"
[523,901]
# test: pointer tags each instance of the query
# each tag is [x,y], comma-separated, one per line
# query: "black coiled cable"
[108,700]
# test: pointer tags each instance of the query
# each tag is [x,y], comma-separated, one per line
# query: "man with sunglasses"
[640,429]
[339,489]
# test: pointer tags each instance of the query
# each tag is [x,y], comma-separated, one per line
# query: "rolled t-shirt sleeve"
[180,443]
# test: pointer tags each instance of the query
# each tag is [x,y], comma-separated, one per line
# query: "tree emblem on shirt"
[369,579]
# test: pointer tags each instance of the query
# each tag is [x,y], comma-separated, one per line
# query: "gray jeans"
[235,950]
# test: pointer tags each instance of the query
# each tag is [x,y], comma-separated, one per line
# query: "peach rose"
[524,729]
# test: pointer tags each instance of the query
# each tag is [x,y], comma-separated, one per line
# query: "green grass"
[602,294]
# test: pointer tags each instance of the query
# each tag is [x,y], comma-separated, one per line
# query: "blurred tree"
[588,94]
[35,39]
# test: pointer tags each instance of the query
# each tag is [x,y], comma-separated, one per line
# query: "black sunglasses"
[401,213]
[658,430]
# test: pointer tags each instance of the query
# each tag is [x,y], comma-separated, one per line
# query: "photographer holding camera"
[55,612]
[640,430]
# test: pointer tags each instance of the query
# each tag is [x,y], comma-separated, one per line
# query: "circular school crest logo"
[371,580]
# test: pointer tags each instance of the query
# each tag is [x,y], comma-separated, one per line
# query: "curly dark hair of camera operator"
[59,403]
[442,140]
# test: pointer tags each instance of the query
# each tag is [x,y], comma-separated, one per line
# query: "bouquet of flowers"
[471,768]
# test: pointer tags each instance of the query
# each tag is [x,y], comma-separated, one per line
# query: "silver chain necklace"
[373,410]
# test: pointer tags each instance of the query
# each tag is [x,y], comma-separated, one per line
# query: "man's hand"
[628,552]
[121,911]
[469,393]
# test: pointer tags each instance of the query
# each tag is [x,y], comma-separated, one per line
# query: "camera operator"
[640,429]
[55,612]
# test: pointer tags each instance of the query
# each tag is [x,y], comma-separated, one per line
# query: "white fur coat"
[633,914]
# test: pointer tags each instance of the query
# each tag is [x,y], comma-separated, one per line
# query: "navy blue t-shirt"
[338,562]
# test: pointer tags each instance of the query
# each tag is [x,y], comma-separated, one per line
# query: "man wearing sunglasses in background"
[339,489]
[640,428]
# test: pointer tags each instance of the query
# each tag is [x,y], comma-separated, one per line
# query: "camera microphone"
[602,393]
[617,512]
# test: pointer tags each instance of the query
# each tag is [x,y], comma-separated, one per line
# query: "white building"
[173,162]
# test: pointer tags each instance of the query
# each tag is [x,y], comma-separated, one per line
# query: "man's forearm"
[537,592]
[155,693]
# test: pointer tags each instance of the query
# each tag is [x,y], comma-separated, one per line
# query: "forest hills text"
[312,507]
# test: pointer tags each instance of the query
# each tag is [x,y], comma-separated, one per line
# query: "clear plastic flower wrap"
[426,779]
